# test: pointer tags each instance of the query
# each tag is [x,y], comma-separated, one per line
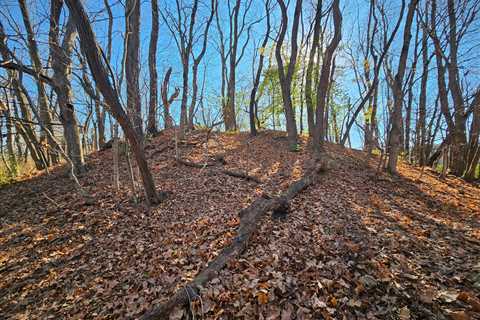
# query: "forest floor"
[356,245]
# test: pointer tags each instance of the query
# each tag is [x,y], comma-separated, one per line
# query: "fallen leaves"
[351,247]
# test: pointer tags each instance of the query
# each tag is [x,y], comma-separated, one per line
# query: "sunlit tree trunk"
[89,48]
[394,143]
[286,78]
[325,79]
[45,116]
[61,65]
[132,64]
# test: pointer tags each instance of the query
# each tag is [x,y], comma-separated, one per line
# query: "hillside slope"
[357,244]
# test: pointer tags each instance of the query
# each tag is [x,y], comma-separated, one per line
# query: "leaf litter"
[357,245]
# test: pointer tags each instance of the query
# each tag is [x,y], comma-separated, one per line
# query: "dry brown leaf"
[459,315]
[404,313]
[262,297]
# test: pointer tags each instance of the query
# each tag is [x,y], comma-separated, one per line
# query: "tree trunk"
[132,64]
[61,65]
[325,79]
[422,103]
[89,47]
[196,63]
[258,74]
[473,152]
[459,145]
[396,118]
[411,82]
[45,117]
[310,66]
[286,79]
[152,64]
[166,100]
[100,114]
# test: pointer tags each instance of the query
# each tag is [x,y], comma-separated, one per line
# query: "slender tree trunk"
[168,101]
[422,103]
[286,79]
[411,81]
[89,47]
[396,118]
[61,65]
[100,114]
[459,145]
[152,64]
[258,74]
[196,63]
[310,67]
[473,152]
[132,64]
[325,79]
[9,124]
[45,117]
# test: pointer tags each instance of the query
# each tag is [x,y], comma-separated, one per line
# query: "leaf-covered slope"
[357,244]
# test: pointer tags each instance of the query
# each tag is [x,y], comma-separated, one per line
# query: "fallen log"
[194,164]
[249,219]
[232,173]
[239,174]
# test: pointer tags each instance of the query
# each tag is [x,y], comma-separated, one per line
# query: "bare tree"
[61,65]
[396,117]
[252,107]
[310,68]
[232,51]
[286,78]
[25,125]
[376,72]
[152,64]
[45,117]
[325,78]
[196,62]
[167,101]
[98,69]
[132,63]
[421,134]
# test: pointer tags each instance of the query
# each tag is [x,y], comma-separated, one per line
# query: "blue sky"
[354,21]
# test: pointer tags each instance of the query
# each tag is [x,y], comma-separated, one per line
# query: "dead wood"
[232,173]
[240,174]
[249,220]
[194,164]
[162,149]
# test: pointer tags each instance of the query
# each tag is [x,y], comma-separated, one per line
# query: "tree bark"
[229,113]
[473,152]
[396,117]
[89,47]
[411,82]
[196,63]
[132,64]
[286,78]
[422,103]
[168,101]
[253,94]
[45,117]
[325,79]
[152,64]
[459,146]
[61,65]
[310,67]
